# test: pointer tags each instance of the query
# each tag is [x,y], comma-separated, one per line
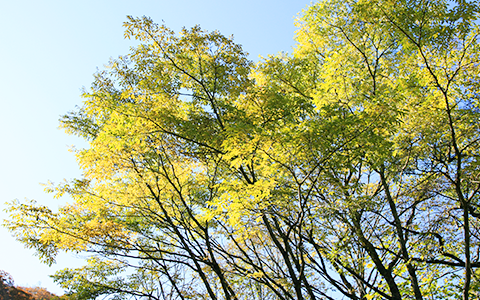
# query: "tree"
[350,167]
[8,290]
[40,293]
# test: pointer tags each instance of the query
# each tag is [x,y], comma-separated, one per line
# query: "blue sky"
[49,50]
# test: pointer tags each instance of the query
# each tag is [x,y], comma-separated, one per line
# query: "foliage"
[40,293]
[347,169]
[8,290]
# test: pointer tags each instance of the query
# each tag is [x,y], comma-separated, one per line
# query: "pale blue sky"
[50,49]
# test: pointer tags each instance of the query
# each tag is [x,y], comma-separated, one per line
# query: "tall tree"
[350,167]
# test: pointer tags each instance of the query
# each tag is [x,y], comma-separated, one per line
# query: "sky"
[50,49]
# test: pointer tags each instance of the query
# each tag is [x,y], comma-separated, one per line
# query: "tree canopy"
[349,168]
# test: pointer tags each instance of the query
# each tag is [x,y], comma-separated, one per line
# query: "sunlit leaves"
[350,165]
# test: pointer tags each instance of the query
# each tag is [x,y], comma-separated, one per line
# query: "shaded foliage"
[8,290]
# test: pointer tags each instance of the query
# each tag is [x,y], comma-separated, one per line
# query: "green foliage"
[350,167]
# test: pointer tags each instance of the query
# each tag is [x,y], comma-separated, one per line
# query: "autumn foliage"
[349,169]
[8,290]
